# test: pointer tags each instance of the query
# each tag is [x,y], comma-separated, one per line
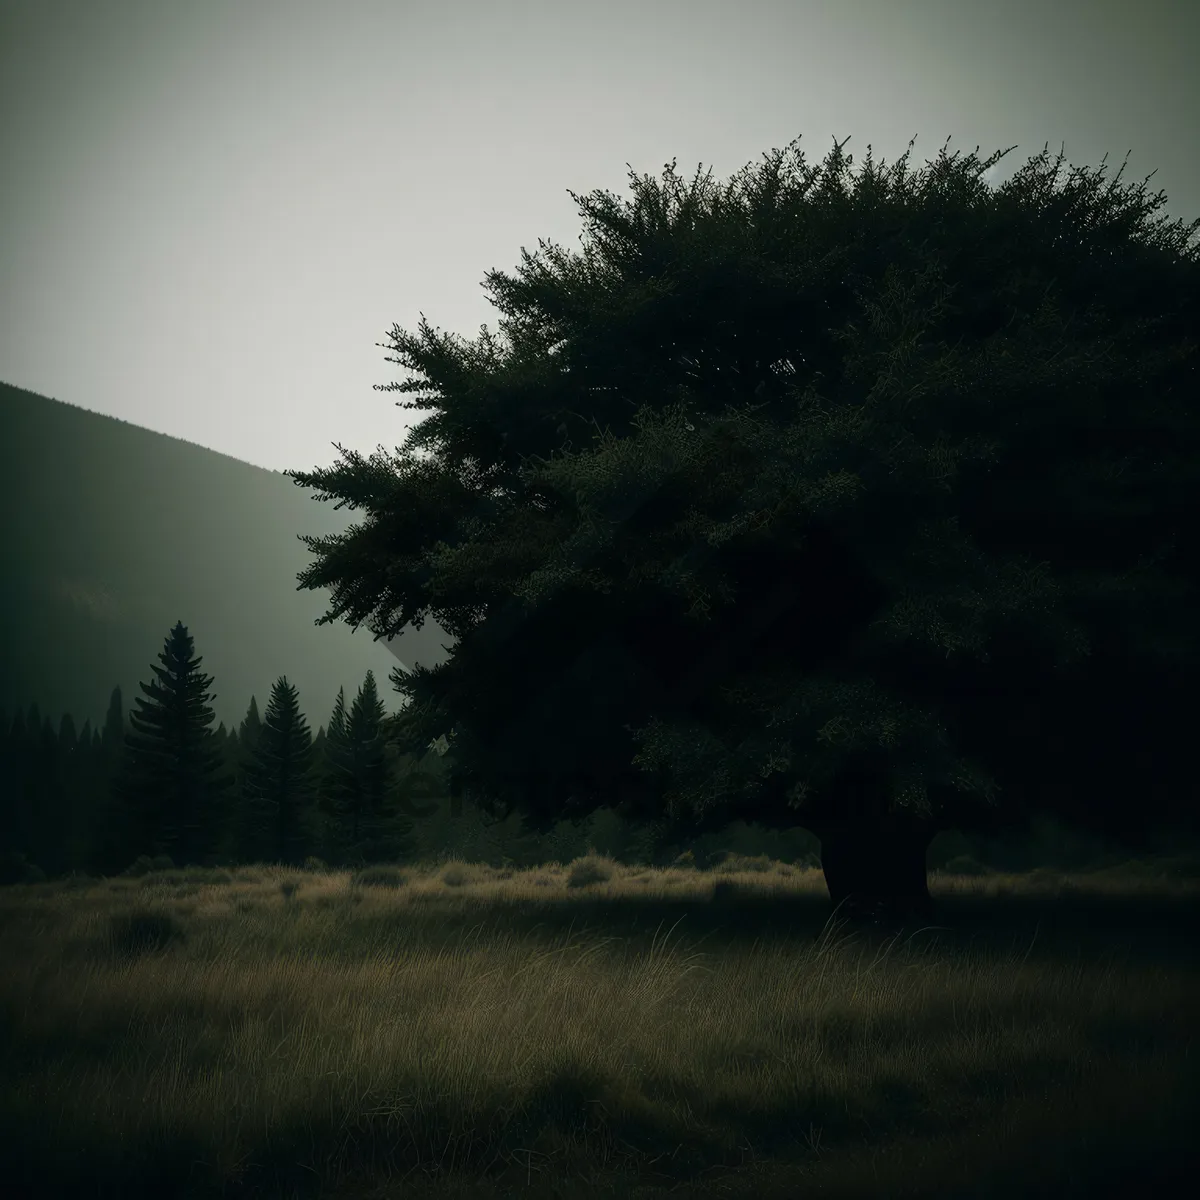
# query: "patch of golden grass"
[433,1016]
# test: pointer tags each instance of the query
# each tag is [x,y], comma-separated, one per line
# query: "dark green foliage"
[250,729]
[364,730]
[49,807]
[865,509]
[358,793]
[110,827]
[113,737]
[81,769]
[87,820]
[16,789]
[173,780]
[278,782]
[338,796]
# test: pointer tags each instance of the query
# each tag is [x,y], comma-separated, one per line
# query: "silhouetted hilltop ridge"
[114,532]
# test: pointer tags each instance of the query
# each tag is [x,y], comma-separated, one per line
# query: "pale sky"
[211,212]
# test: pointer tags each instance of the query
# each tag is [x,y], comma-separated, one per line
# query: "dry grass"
[496,1031]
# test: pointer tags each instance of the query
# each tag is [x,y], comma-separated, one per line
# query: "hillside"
[113,533]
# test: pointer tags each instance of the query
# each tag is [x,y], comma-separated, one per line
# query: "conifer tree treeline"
[160,780]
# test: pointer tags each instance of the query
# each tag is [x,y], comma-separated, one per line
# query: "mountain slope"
[112,533]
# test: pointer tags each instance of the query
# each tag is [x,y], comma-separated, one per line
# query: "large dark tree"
[173,780]
[887,520]
[278,784]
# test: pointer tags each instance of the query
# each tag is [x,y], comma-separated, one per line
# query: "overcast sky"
[211,212]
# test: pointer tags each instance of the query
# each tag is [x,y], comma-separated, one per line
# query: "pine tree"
[241,752]
[250,729]
[357,795]
[384,834]
[278,782]
[83,793]
[73,777]
[329,749]
[113,736]
[230,842]
[113,839]
[173,780]
[49,809]
[16,798]
[338,790]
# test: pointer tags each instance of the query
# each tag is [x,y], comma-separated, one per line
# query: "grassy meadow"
[592,1029]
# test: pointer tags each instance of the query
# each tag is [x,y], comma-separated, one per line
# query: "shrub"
[588,870]
[143,931]
[380,875]
[456,874]
[312,863]
[162,862]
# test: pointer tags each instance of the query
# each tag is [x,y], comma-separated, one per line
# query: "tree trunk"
[876,868]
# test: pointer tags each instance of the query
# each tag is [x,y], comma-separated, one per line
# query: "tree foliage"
[173,780]
[358,793]
[278,786]
[814,504]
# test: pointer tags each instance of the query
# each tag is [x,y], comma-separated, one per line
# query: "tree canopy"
[803,502]
[279,781]
[173,778]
